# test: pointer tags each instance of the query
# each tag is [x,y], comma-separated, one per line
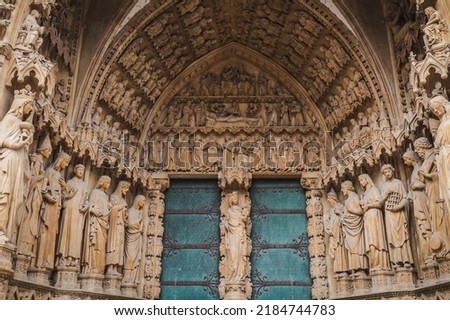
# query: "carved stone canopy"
[234,179]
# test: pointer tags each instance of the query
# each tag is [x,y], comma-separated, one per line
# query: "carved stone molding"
[157,184]
[316,233]
[235,229]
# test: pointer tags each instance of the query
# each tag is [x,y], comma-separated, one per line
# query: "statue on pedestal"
[29,228]
[133,240]
[374,231]
[96,229]
[16,134]
[116,234]
[394,198]
[333,227]
[353,227]
[235,235]
[421,208]
[49,218]
[73,220]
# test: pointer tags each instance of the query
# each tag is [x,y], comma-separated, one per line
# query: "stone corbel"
[312,182]
[235,228]
[156,185]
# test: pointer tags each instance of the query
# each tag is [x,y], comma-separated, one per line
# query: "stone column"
[157,184]
[235,228]
[312,182]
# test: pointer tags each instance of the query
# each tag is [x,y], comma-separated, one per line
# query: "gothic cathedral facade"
[238,149]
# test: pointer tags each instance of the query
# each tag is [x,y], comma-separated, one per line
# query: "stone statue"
[16,134]
[235,235]
[73,220]
[133,240]
[394,198]
[333,227]
[97,117]
[429,170]
[30,35]
[28,232]
[422,214]
[434,28]
[116,233]
[50,209]
[440,106]
[352,225]
[374,231]
[96,229]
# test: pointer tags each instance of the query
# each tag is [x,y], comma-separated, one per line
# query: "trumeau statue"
[116,233]
[96,229]
[420,200]
[353,227]
[394,198]
[16,134]
[29,228]
[53,194]
[235,235]
[333,227]
[73,220]
[133,240]
[374,231]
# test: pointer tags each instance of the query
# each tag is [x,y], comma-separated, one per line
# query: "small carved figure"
[97,117]
[30,36]
[434,28]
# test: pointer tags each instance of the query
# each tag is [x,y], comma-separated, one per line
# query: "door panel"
[280,260]
[191,240]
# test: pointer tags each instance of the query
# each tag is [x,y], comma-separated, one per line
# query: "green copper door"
[280,260]
[191,240]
